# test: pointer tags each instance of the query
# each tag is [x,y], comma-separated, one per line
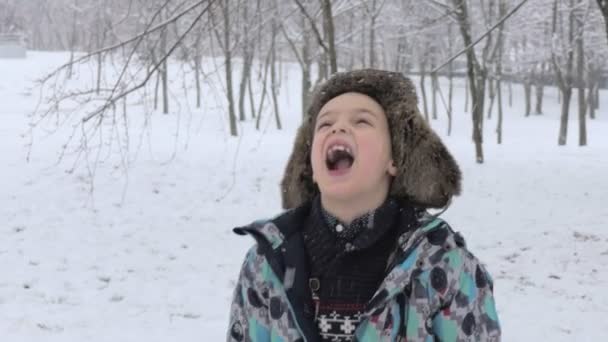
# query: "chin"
[342,192]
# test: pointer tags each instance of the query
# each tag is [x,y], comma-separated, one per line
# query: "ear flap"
[297,185]
[427,173]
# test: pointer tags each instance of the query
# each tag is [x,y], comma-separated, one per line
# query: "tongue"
[343,164]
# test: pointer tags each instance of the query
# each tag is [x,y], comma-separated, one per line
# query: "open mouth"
[339,158]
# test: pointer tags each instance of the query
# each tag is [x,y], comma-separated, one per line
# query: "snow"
[149,254]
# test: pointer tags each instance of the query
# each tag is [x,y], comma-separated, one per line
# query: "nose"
[336,130]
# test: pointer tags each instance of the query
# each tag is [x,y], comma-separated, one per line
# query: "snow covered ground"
[150,255]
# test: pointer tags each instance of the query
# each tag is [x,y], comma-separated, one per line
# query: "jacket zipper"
[315,284]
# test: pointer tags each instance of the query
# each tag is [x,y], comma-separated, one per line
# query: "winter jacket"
[436,290]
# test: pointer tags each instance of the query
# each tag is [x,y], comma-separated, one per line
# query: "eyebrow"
[364,110]
[324,114]
[356,110]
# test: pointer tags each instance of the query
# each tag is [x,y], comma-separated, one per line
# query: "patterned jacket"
[436,290]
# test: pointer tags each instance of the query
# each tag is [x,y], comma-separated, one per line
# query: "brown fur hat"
[427,174]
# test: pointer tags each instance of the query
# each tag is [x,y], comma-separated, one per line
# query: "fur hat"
[427,174]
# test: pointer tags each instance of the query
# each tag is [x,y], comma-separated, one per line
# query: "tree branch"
[132,39]
[110,101]
[313,25]
[502,20]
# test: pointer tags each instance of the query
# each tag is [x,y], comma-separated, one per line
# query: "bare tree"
[274,79]
[227,45]
[248,52]
[540,86]
[476,77]
[164,69]
[329,33]
[580,15]
[450,77]
[563,63]
[198,56]
[502,11]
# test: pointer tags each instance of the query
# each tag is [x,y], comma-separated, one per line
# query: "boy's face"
[351,149]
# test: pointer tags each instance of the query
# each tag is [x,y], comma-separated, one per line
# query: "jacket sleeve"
[450,295]
[249,321]
[469,312]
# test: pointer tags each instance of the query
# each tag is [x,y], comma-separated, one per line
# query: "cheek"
[316,152]
[375,150]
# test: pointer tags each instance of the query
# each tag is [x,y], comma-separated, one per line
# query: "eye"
[323,125]
[362,122]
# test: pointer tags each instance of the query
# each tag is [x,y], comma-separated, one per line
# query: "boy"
[356,258]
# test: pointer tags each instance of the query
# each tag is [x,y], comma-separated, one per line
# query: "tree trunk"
[274,85]
[539,98]
[540,89]
[264,91]
[228,67]
[564,81]
[100,41]
[528,95]
[306,69]
[73,41]
[384,62]
[434,86]
[590,103]
[500,114]
[466,94]
[563,124]
[328,25]
[164,70]
[477,78]
[502,9]
[197,68]
[362,45]
[591,83]
[450,79]
[350,41]
[450,95]
[246,74]
[510,93]
[596,97]
[251,99]
[306,85]
[165,87]
[491,95]
[248,50]
[582,109]
[372,40]
[156,88]
[423,90]
[322,69]
[99,72]
[604,8]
